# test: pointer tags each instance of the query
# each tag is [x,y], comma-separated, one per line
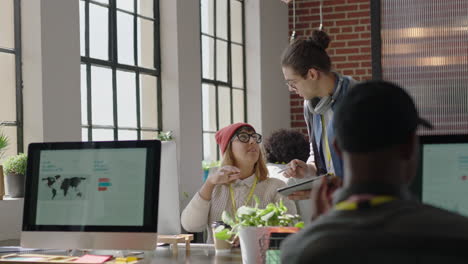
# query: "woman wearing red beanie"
[243,173]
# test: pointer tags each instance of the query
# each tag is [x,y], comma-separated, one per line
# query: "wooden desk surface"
[199,253]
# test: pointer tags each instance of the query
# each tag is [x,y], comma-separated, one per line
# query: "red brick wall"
[348,24]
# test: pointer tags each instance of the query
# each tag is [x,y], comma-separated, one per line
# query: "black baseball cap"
[375,115]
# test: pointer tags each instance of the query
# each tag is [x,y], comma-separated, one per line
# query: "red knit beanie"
[224,135]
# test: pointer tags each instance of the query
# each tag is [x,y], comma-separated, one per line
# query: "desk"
[199,253]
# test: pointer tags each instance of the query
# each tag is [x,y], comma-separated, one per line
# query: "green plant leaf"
[226,217]
[164,136]
[16,164]
[219,228]
[299,224]
[223,234]
[268,216]
[245,210]
[273,215]
[208,164]
[257,201]
[3,144]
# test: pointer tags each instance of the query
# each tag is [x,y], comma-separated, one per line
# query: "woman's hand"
[299,169]
[223,175]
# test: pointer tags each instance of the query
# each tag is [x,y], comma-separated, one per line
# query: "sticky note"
[93,259]
[127,259]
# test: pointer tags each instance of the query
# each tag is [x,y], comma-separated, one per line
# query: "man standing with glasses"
[307,71]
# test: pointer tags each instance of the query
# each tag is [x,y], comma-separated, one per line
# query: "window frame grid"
[114,65]
[216,83]
[17,52]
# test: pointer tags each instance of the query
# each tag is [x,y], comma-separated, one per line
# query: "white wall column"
[266,37]
[51,70]
[181,83]
[51,85]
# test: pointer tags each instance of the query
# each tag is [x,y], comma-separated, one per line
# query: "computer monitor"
[443,172]
[92,195]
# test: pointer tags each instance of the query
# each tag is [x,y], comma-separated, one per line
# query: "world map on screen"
[68,187]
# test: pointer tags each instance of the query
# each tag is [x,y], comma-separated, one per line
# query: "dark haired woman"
[307,71]
[281,147]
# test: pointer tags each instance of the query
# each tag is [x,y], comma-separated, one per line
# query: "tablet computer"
[301,186]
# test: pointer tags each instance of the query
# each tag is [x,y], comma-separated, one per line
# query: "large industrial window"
[120,70]
[11,106]
[223,68]
[424,49]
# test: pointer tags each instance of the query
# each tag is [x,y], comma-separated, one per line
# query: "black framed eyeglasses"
[245,137]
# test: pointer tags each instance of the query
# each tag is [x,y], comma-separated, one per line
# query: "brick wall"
[348,24]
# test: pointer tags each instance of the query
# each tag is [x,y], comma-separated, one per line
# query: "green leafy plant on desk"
[273,215]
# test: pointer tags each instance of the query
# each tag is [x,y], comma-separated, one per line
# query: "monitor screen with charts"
[443,180]
[97,195]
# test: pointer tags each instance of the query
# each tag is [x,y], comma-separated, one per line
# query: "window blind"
[425,50]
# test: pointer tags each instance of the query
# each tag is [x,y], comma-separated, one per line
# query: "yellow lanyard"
[327,147]
[349,205]
[234,208]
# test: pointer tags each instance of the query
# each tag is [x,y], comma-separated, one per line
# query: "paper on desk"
[93,259]
[10,249]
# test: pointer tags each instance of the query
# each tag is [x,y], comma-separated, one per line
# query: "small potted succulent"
[14,169]
[165,136]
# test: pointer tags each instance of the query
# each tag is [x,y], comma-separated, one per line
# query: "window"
[11,107]
[423,47]
[223,69]
[120,70]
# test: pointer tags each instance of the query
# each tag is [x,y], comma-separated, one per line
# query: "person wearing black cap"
[376,137]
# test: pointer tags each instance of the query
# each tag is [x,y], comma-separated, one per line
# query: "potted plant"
[254,227]
[164,136]
[14,169]
[207,165]
[3,146]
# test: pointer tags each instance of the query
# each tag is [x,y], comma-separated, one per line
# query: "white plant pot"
[249,243]
[254,242]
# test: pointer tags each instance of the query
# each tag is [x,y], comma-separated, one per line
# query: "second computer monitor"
[443,179]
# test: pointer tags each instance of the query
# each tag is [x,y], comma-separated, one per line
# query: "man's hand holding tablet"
[303,186]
